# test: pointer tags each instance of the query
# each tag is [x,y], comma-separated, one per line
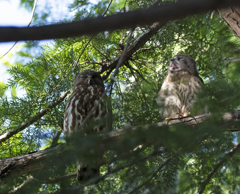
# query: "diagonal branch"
[100,178]
[154,174]
[108,67]
[121,60]
[28,181]
[136,44]
[218,165]
[132,19]
[33,119]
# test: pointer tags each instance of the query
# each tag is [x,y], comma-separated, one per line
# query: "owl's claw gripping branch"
[180,116]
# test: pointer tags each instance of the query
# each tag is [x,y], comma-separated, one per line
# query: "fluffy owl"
[179,88]
[87,93]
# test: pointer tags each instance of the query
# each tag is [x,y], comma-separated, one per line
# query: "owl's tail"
[85,172]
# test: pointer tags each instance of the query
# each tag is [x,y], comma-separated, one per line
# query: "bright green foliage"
[2,88]
[51,72]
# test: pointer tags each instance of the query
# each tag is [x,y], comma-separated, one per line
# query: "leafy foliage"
[46,76]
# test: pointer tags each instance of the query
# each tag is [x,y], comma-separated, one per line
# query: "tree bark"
[126,20]
[232,17]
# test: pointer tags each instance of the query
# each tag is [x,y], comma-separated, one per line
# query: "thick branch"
[232,17]
[16,166]
[33,119]
[118,21]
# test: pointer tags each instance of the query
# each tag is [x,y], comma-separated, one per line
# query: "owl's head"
[182,63]
[89,77]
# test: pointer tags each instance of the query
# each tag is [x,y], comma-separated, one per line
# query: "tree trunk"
[232,17]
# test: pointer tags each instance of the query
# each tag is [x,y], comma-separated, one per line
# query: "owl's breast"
[178,96]
[169,94]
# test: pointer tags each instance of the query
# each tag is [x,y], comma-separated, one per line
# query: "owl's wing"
[71,116]
[81,103]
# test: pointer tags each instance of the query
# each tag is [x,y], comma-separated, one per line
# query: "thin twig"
[124,10]
[218,165]
[100,178]
[90,37]
[34,7]
[100,52]
[132,69]
[79,6]
[56,138]
[120,62]
[155,173]
[77,62]
[110,2]
[28,180]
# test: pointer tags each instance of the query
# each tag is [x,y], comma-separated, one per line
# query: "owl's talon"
[179,116]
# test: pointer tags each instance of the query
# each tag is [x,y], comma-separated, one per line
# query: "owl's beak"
[89,78]
[175,66]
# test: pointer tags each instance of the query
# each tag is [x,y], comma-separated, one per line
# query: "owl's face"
[89,77]
[182,63]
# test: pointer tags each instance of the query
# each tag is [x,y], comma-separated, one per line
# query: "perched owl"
[87,93]
[179,88]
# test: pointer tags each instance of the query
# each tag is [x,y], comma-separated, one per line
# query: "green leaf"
[14,92]
[3,88]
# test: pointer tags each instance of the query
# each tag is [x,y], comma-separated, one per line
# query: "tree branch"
[34,7]
[154,174]
[56,138]
[232,17]
[97,179]
[16,166]
[18,188]
[86,45]
[218,165]
[118,21]
[33,119]
[108,67]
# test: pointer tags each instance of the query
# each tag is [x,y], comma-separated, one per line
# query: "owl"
[179,88]
[87,98]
